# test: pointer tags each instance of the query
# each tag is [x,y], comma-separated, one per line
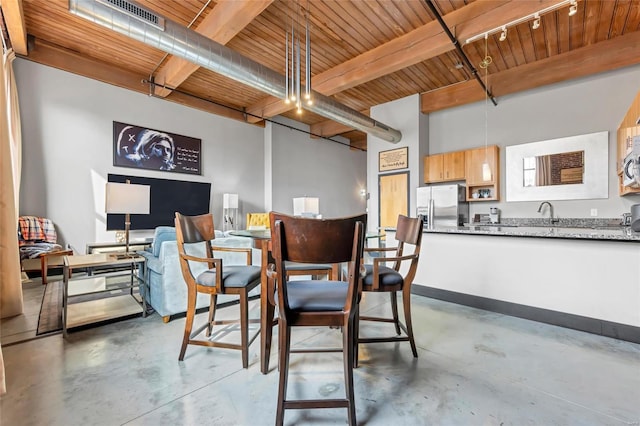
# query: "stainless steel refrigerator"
[442,205]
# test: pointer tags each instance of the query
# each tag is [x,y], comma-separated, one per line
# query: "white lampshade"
[304,206]
[230,201]
[127,198]
[486,172]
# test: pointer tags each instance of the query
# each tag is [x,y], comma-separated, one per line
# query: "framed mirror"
[570,168]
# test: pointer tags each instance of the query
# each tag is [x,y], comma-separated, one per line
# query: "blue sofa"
[165,289]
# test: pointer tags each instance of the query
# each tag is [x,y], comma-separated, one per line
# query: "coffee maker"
[494,215]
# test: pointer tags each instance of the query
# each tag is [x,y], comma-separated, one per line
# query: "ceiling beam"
[328,128]
[421,44]
[592,59]
[58,57]
[14,19]
[224,22]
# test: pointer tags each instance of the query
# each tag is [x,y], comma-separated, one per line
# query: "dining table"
[262,241]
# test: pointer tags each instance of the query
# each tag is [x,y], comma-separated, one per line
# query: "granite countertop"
[574,229]
[574,233]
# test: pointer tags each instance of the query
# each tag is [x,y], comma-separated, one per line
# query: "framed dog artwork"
[143,148]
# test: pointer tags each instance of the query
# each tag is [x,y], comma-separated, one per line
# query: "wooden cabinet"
[628,129]
[448,166]
[487,190]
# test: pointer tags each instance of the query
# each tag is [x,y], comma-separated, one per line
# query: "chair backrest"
[34,229]
[408,231]
[193,230]
[306,240]
[257,220]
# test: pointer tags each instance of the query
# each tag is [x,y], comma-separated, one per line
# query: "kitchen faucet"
[551,218]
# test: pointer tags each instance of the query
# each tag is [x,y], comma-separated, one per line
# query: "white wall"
[404,115]
[67,153]
[331,171]
[587,105]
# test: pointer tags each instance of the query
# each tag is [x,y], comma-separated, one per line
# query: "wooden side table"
[88,300]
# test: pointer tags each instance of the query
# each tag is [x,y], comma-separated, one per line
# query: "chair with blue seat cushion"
[218,279]
[381,278]
[316,303]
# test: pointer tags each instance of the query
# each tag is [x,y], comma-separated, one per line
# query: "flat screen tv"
[167,197]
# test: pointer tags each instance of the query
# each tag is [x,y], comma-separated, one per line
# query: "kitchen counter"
[605,233]
[551,274]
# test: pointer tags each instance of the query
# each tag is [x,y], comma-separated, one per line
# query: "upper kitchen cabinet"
[479,189]
[629,128]
[444,167]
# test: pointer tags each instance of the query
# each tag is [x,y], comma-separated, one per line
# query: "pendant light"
[486,168]
[293,66]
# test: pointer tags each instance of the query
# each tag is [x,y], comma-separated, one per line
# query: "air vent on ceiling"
[135,11]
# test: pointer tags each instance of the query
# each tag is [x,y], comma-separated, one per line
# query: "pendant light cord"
[486,102]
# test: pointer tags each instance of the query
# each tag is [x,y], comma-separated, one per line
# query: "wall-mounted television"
[167,197]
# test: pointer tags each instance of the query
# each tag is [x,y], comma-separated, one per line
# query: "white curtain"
[11,302]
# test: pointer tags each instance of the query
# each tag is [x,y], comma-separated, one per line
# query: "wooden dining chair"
[380,278]
[213,279]
[316,303]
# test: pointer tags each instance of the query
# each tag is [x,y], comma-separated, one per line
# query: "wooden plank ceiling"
[364,52]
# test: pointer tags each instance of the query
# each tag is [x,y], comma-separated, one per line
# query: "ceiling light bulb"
[536,22]
[573,9]
[293,98]
[287,101]
[503,36]
[310,102]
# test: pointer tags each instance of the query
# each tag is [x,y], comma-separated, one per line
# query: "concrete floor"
[474,368]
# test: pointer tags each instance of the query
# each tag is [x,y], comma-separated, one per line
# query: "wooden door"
[393,197]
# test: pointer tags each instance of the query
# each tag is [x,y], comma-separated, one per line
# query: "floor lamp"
[127,199]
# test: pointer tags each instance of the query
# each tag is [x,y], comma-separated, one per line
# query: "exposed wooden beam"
[419,45]
[359,144]
[14,19]
[58,57]
[227,19]
[596,58]
[328,128]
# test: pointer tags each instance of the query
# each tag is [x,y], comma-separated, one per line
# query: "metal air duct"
[139,23]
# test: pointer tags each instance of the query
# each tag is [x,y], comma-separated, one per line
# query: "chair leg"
[188,324]
[406,302]
[348,348]
[244,328]
[394,309]
[284,339]
[356,336]
[43,269]
[212,313]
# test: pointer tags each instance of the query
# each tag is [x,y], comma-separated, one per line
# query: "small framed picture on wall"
[393,159]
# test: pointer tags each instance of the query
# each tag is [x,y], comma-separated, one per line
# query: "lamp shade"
[230,201]
[304,206]
[127,198]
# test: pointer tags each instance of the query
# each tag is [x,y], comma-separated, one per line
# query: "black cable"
[456,44]
[245,113]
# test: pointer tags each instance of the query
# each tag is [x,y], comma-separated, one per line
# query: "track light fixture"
[573,9]
[536,22]
[503,36]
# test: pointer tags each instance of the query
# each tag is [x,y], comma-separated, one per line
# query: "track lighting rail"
[456,43]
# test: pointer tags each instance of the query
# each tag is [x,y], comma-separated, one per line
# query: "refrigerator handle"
[430,213]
